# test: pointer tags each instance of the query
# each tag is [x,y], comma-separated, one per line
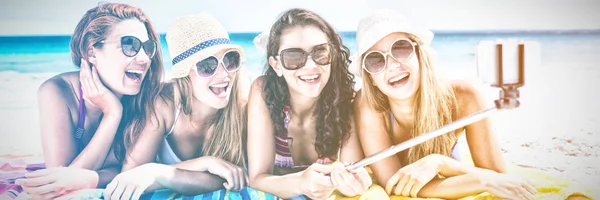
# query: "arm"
[188,177]
[58,130]
[261,149]
[351,150]
[373,136]
[453,187]
[483,143]
[184,179]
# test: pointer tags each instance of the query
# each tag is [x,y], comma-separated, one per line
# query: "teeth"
[133,71]
[309,77]
[398,78]
[222,85]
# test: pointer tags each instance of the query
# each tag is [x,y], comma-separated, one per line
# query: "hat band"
[199,47]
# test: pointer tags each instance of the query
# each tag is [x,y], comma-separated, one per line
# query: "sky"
[59,17]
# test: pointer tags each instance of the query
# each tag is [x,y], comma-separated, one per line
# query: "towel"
[13,167]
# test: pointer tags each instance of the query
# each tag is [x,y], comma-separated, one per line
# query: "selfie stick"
[507,58]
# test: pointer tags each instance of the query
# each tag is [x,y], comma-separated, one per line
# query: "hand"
[507,186]
[95,92]
[315,183]
[235,176]
[55,182]
[410,179]
[350,183]
[132,183]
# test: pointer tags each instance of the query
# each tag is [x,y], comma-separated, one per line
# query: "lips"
[310,78]
[219,89]
[135,75]
[399,80]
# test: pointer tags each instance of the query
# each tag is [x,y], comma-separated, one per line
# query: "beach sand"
[555,129]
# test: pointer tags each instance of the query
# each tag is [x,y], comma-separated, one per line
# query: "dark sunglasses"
[131,46]
[208,67]
[376,61]
[295,58]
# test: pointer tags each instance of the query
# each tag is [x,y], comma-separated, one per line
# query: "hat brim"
[182,69]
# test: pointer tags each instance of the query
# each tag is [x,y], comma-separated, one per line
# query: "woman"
[116,49]
[402,98]
[195,129]
[300,118]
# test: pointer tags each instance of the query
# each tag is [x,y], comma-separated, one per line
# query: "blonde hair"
[228,125]
[434,106]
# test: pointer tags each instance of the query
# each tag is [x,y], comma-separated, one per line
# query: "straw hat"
[193,38]
[379,24]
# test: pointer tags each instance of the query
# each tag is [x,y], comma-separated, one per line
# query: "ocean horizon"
[455,49]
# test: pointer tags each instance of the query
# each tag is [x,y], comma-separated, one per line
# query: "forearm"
[106,175]
[451,168]
[188,182]
[453,187]
[278,185]
[93,155]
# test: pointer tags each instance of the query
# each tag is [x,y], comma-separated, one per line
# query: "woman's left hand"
[350,183]
[132,183]
[54,182]
[409,180]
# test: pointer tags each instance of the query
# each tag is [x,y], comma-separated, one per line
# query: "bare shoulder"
[365,114]
[257,87]
[358,100]
[60,89]
[468,96]
[258,83]
[165,106]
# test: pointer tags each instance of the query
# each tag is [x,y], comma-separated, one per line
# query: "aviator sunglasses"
[208,67]
[376,61]
[295,58]
[131,46]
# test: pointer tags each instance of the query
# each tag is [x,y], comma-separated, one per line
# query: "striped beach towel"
[13,167]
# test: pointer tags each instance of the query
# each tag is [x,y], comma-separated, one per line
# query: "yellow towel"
[548,186]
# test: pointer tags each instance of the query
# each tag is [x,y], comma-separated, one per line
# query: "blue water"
[51,54]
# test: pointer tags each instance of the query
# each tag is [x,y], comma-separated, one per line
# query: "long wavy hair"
[228,125]
[434,106]
[92,28]
[334,106]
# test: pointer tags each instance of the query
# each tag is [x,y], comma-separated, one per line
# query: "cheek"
[414,64]
[288,75]
[198,85]
[327,72]
[378,79]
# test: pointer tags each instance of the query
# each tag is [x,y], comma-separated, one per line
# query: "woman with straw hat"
[300,120]
[195,131]
[402,98]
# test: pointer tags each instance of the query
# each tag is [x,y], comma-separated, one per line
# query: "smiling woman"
[192,141]
[115,48]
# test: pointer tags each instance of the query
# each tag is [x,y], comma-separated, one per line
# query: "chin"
[219,105]
[131,91]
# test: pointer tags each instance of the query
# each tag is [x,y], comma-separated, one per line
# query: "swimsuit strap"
[80,124]
[286,120]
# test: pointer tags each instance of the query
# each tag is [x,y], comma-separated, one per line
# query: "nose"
[310,63]
[221,72]
[392,63]
[142,57]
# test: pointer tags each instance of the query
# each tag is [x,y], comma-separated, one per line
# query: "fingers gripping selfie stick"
[500,64]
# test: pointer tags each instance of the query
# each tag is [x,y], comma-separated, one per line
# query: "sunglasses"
[295,58]
[376,61]
[131,46]
[208,67]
